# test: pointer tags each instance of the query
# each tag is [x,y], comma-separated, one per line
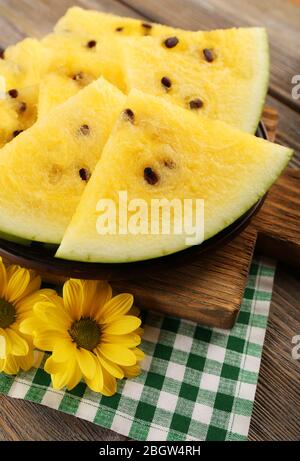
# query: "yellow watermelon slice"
[45,169]
[160,151]
[76,54]
[223,73]
[54,89]
[18,111]
[20,75]
[96,23]
[21,64]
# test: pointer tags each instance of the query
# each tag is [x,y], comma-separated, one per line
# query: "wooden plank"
[37,18]
[203,290]
[21,420]
[277,223]
[277,402]
[288,133]
[280,17]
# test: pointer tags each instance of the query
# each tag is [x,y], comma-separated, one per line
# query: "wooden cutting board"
[210,291]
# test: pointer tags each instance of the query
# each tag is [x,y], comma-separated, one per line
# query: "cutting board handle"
[278,222]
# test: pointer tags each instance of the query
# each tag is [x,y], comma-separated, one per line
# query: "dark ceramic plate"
[42,259]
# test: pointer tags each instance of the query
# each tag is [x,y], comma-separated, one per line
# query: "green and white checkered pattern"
[197,383]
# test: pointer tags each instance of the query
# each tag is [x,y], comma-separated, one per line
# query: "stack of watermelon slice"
[107,104]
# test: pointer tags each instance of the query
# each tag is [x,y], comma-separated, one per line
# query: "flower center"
[85,333]
[7,313]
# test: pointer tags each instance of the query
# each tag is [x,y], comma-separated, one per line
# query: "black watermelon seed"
[119,29]
[84,129]
[22,107]
[2,51]
[166,82]
[171,42]
[84,174]
[150,176]
[91,44]
[78,76]
[17,132]
[196,103]
[208,54]
[13,93]
[128,114]
[146,25]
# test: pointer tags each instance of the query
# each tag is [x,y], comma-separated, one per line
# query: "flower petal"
[112,368]
[33,285]
[87,362]
[119,305]
[6,344]
[26,304]
[53,367]
[109,384]
[73,298]
[3,278]
[29,326]
[53,315]
[2,344]
[75,375]
[63,350]
[102,295]
[122,326]
[59,380]
[118,354]
[96,383]
[11,366]
[2,364]
[138,353]
[131,372]
[89,289]
[18,279]
[47,340]
[19,345]
[27,361]
[130,340]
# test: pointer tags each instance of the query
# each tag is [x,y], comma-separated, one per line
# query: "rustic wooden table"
[276,413]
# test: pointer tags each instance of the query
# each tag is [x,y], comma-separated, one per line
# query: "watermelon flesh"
[96,24]
[17,112]
[89,44]
[188,156]
[229,84]
[54,89]
[20,75]
[21,64]
[225,71]
[45,169]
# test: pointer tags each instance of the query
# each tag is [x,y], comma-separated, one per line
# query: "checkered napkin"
[197,383]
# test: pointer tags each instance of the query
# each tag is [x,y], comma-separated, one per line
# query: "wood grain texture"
[276,412]
[202,291]
[288,128]
[277,406]
[278,222]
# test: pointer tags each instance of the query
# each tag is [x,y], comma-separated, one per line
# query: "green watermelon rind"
[262,84]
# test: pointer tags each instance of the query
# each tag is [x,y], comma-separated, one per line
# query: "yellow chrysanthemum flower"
[91,335]
[19,291]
